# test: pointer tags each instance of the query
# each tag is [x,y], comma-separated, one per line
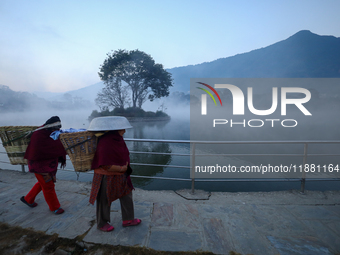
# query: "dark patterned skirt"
[117,186]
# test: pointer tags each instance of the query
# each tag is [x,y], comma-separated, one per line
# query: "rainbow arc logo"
[204,97]
[209,93]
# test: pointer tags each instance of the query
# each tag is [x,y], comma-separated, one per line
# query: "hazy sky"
[57,45]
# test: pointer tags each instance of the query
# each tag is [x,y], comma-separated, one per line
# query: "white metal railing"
[304,155]
[193,154]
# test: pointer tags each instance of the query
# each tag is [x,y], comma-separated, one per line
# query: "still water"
[174,129]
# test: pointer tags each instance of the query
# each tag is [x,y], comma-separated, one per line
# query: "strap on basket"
[88,139]
[18,138]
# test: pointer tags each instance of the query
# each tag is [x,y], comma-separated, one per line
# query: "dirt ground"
[17,240]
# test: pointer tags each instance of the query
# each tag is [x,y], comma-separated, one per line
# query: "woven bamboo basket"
[80,147]
[15,140]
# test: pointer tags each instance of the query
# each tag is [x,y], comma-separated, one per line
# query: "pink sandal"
[135,222]
[107,228]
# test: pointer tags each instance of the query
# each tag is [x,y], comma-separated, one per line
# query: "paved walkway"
[249,223]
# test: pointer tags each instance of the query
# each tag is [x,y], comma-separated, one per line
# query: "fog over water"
[178,128]
[175,129]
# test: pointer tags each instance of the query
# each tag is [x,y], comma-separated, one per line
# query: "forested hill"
[17,101]
[13,101]
[304,54]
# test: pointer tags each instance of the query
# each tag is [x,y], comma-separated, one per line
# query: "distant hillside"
[13,101]
[88,93]
[18,101]
[302,55]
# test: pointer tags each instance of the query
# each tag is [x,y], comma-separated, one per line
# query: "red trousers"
[48,190]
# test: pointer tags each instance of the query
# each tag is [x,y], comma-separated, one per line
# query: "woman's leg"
[49,192]
[126,204]
[30,197]
[102,205]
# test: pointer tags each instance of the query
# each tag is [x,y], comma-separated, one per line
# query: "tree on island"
[134,71]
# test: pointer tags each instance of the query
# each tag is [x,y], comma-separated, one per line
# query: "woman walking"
[111,166]
[43,155]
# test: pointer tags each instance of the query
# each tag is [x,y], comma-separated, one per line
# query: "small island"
[133,114]
[131,78]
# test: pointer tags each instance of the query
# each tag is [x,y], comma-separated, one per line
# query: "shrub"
[161,114]
[94,114]
[150,114]
[134,112]
[118,111]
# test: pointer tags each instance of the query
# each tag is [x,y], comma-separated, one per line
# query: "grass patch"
[17,240]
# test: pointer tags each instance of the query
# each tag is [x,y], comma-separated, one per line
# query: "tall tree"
[145,78]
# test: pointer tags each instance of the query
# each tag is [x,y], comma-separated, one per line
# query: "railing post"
[193,148]
[303,180]
[23,168]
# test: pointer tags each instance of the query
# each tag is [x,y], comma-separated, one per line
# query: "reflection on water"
[149,158]
[161,130]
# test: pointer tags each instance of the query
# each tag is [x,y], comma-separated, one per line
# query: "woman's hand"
[124,168]
[119,169]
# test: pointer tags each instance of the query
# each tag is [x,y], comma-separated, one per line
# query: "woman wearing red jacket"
[43,155]
[111,179]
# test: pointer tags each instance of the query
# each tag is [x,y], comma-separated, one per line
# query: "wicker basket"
[15,140]
[81,147]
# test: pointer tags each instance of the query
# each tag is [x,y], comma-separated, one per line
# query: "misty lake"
[178,128]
